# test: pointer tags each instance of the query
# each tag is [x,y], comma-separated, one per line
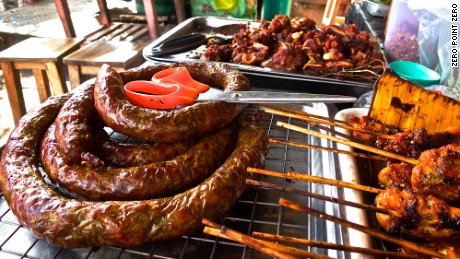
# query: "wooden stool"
[88,60]
[44,57]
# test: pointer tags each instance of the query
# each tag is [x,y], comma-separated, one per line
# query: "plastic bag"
[246,9]
[435,39]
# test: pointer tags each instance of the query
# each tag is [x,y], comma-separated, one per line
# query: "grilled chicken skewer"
[425,217]
[438,173]
[410,143]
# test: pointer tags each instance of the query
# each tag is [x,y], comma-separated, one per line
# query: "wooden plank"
[133,29]
[100,34]
[115,35]
[139,34]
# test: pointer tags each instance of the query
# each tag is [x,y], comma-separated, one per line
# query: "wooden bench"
[119,45]
[44,57]
[120,54]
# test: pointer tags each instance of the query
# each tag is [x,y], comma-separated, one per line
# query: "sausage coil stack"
[200,174]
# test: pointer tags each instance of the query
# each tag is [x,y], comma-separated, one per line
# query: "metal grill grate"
[257,210]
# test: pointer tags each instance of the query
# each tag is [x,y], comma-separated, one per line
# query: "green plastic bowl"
[416,73]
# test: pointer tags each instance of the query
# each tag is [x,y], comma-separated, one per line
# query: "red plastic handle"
[159,96]
[169,88]
[179,75]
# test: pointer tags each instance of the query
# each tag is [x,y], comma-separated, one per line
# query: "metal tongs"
[187,42]
[220,35]
[174,86]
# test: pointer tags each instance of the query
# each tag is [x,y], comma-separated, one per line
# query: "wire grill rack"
[257,209]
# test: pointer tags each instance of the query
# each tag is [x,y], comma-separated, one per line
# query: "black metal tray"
[259,76]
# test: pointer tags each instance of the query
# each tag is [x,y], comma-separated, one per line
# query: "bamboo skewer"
[318,196]
[369,231]
[262,248]
[297,112]
[355,249]
[266,247]
[348,142]
[337,133]
[323,120]
[315,179]
[345,152]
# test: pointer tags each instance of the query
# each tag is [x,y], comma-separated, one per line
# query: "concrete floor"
[41,19]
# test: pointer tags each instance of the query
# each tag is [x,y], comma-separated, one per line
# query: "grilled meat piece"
[438,173]
[286,58]
[421,216]
[396,175]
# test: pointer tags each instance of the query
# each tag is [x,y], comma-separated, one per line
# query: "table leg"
[74,75]
[14,90]
[56,78]
[42,84]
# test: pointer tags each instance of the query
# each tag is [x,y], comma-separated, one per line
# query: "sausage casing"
[159,179]
[74,124]
[126,154]
[167,125]
[77,223]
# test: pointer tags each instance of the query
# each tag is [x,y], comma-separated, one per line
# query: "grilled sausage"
[77,223]
[79,133]
[74,125]
[167,125]
[121,154]
[153,180]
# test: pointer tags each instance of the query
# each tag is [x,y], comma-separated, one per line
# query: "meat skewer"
[370,231]
[438,173]
[316,196]
[435,172]
[273,249]
[306,118]
[303,145]
[422,216]
[410,143]
[347,142]
[260,245]
[398,175]
[315,179]
[282,110]
[327,245]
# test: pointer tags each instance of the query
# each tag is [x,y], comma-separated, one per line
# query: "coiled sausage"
[163,178]
[167,125]
[77,223]
[122,154]
[74,124]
